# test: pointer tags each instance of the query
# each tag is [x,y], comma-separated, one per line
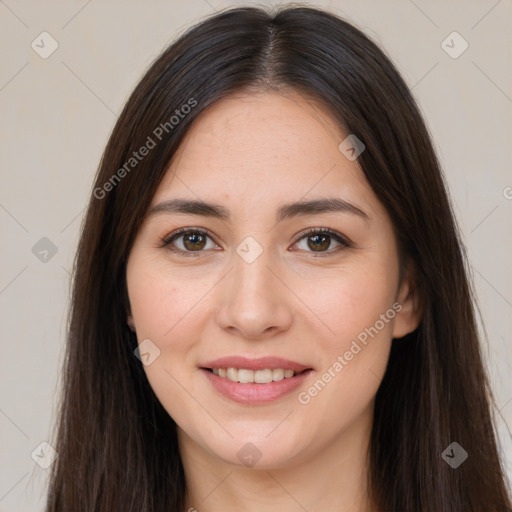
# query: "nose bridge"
[254,302]
[251,272]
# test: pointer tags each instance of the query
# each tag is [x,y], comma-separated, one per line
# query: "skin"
[252,152]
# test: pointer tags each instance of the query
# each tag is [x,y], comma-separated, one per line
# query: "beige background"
[57,113]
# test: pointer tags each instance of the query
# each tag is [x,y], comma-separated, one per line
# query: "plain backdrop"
[57,113]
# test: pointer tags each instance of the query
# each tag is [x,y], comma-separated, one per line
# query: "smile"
[252,381]
[246,376]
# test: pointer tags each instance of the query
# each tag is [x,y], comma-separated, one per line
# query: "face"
[266,324]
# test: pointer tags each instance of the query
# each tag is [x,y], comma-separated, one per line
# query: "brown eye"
[320,241]
[188,242]
[194,241]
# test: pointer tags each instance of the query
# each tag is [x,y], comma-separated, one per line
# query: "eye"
[320,239]
[192,241]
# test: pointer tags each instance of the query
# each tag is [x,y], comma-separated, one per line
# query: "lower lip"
[255,394]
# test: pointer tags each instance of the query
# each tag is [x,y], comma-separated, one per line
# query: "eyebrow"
[285,211]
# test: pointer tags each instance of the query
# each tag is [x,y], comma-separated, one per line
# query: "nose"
[254,302]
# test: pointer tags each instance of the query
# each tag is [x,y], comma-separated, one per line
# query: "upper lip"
[259,363]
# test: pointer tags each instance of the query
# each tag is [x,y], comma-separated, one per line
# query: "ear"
[130,322]
[409,316]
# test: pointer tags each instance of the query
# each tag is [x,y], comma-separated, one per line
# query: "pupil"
[196,239]
[319,245]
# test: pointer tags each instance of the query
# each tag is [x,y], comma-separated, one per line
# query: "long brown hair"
[117,445]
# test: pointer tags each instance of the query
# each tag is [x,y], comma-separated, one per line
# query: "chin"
[256,452]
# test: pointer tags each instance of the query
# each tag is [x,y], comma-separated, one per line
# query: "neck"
[335,479]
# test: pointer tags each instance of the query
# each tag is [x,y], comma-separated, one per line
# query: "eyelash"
[344,243]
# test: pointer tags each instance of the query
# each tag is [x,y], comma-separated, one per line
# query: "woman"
[271,309]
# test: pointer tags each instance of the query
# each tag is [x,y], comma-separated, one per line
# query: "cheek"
[167,310]
[163,304]
[357,307]
[171,310]
[360,308]
[346,302]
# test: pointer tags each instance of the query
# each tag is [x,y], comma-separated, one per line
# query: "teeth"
[232,374]
[245,376]
[277,374]
[263,376]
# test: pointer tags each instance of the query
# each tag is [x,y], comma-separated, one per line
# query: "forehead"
[263,148]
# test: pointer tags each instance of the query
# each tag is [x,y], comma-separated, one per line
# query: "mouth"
[255,381]
[247,376]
